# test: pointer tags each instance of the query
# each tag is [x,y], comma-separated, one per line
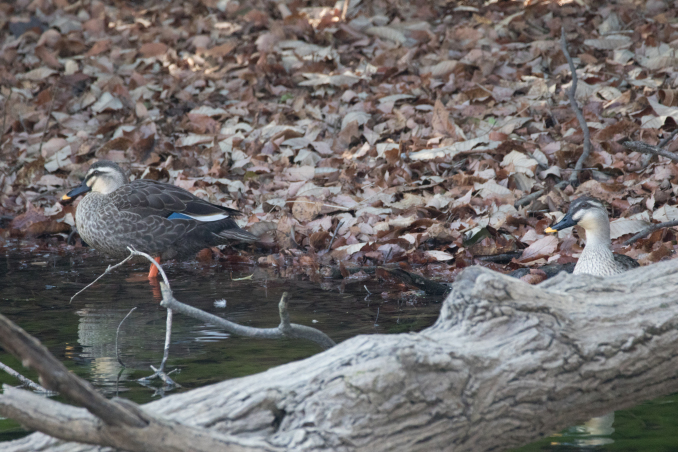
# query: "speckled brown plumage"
[137,214]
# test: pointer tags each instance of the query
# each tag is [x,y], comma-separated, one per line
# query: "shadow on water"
[35,289]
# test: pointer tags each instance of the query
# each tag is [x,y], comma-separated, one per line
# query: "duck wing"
[151,198]
[626,262]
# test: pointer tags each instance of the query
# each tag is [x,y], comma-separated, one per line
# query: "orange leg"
[154,270]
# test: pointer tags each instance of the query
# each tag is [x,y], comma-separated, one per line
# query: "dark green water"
[36,285]
[37,282]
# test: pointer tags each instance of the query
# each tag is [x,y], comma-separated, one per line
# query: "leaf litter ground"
[351,135]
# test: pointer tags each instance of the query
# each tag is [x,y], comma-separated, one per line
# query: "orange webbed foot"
[153,273]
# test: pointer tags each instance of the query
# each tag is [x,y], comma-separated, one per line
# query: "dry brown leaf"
[304,209]
[153,49]
[543,247]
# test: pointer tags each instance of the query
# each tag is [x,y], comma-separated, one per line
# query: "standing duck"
[597,258]
[160,219]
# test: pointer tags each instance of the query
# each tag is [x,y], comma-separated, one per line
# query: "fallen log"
[505,364]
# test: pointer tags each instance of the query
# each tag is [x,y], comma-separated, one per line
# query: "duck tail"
[237,234]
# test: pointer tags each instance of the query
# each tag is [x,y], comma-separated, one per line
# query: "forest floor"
[349,135]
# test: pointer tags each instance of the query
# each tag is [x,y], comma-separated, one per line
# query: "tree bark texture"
[505,364]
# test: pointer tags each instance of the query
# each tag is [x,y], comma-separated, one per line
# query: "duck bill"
[565,223]
[77,191]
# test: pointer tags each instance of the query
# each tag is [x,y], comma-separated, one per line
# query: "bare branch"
[295,331]
[4,114]
[24,381]
[108,270]
[56,377]
[76,424]
[640,146]
[153,262]
[334,236]
[650,229]
[577,111]
[160,371]
[668,139]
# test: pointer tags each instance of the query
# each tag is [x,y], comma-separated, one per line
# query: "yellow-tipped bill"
[566,222]
[77,191]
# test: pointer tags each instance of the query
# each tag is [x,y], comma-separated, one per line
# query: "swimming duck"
[597,258]
[160,219]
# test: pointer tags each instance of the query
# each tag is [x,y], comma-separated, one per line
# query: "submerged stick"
[285,329]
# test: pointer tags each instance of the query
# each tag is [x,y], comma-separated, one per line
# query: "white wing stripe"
[203,218]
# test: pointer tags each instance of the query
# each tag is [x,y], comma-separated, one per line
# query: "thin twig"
[640,146]
[117,333]
[334,236]
[49,114]
[4,114]
[525,200]
[153,262]
[344,11]
[24,381]
[108,270]
[577,111]
[650,229]
[666,140]
[160,371]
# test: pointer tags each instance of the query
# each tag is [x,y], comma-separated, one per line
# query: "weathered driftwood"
[117,422]
[504,364]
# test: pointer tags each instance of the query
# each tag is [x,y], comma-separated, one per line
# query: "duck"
[597,258]
[160,219]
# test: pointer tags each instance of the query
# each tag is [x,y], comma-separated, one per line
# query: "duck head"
[103,177]
[588,213]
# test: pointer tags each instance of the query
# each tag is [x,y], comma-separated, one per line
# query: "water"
[37,282]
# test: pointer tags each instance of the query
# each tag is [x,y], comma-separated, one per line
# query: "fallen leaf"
[541,248]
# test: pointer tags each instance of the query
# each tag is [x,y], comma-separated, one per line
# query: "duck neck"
[598,241]
[599,237]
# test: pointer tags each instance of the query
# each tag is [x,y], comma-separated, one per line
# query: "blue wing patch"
[179,216]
